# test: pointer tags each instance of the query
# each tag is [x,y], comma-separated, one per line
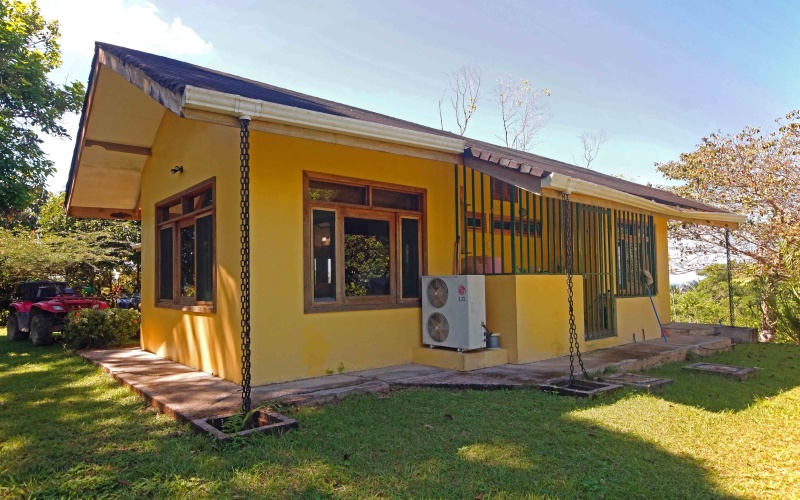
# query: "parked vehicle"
[40,308]
[131,301]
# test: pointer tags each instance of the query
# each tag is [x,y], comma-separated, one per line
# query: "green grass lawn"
[67,429]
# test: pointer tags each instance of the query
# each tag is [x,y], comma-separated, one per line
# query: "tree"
[591,142]
[465,85]
[29,101]
[706,301]
[27,256]
[78,251]
[749,173]
[523,110]
[112,240]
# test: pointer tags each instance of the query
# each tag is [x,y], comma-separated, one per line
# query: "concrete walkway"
[187,394]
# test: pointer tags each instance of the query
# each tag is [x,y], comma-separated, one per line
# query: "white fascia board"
[568,184]
[234,105]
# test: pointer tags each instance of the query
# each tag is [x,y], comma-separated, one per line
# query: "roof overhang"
[118,126]
[237,106]
[525,176]
[568,184]
[124,108]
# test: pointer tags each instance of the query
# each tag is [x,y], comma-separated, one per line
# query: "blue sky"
[657,76]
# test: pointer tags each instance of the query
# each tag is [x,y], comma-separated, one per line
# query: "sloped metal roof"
[175,76]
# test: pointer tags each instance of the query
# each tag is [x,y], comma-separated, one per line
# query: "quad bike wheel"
[13,331]
[41,328]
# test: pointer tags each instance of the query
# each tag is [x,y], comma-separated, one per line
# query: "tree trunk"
[769,320]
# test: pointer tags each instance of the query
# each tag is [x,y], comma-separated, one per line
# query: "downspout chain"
[574,345]
[244,169]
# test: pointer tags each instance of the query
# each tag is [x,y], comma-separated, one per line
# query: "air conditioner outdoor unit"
[454,311]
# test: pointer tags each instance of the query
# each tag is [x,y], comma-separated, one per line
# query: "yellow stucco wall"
[208,342]
[287,344]
[530,313]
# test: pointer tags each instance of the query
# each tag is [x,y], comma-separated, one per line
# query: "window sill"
[206,309]
[313,309]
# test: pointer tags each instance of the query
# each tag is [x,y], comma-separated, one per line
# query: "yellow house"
[303,226]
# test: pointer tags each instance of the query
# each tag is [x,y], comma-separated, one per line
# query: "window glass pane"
[394,199]
[366,257]
[199,201]
[503,225]
[410,258]
[324,256]
[187,262]
[340,193]
[205,259]
[170,212]
[165,263]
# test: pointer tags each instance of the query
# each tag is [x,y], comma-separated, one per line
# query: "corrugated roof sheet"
[176,75]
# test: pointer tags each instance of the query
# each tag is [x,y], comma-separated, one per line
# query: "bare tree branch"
[523,110]
[465,87]
[591,142]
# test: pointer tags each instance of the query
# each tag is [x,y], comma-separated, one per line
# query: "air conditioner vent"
[437,293]
[438,327]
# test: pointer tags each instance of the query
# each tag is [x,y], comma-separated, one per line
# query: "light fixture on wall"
[177,169]
[325,239]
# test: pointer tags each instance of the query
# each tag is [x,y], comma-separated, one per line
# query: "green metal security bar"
[594,249]
[502,229]
[635,253]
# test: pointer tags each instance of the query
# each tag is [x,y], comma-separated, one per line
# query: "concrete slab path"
[187,394]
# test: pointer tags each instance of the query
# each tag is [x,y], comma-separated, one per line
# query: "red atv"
[40,308]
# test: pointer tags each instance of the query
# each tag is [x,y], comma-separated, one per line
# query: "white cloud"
[137,25]
[134,24]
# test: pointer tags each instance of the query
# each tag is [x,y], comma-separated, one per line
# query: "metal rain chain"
[244,169]
[574,346]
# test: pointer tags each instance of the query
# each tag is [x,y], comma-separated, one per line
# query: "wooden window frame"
[519,228]
[343,210]
[185,220]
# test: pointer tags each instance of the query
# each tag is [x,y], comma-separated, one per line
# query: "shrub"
[101,328]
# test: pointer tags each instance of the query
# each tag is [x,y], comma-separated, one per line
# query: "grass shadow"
[67,429]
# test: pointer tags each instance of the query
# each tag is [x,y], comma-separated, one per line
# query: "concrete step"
[739,334]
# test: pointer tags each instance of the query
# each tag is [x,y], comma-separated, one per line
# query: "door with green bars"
[594,252]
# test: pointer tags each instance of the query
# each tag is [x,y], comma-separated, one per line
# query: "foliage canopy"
[755,174]
[29,102]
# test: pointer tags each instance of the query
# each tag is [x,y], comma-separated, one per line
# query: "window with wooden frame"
[185,248]
[364,243]
[528,228]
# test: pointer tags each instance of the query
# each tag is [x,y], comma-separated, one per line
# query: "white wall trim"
[234,105]
[560,182]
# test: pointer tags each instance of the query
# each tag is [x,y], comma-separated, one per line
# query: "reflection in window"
[410,254]
[367,254]
[187,262]
[324,255]
[396,199]
[165,267]
[205,258]
[340,193]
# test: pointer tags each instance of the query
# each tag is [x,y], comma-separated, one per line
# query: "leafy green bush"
[101,328]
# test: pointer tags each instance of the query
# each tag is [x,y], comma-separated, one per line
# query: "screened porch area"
[505,229]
